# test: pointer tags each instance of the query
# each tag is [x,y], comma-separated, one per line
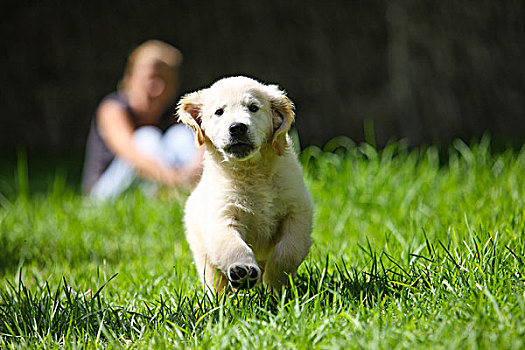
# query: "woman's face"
[153,81]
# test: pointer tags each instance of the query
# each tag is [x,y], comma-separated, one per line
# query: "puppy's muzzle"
[238,130]
[240,145]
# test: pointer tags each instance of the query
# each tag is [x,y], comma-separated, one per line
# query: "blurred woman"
[134,134]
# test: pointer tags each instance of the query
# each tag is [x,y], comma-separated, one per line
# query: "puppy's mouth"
[240,150]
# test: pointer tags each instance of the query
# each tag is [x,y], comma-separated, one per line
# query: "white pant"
[175,148]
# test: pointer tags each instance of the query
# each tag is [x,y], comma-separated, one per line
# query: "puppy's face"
[238,116]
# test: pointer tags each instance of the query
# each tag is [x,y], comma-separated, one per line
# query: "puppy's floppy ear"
[189,112]
[283,117]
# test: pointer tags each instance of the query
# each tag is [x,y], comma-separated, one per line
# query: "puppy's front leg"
[230,253]
[290,250]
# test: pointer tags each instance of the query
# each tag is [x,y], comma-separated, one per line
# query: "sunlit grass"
[412,250]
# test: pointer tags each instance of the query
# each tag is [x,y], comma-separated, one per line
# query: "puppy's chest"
[257,214]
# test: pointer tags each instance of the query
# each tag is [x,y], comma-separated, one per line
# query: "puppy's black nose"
[238,129]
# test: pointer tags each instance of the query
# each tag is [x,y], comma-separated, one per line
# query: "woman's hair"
[154,52]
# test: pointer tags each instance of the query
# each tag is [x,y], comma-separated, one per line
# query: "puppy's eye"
[219,112]
[253,108]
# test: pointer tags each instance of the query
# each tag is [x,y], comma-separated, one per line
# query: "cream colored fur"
[252,212]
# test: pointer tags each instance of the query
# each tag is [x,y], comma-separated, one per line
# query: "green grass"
[411,251]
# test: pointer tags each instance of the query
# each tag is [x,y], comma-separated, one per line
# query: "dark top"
[98,155]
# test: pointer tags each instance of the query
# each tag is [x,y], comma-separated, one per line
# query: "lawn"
[412,249]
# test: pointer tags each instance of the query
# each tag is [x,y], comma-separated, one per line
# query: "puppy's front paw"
[243,276]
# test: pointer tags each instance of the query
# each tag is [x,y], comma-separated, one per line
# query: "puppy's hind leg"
[212,278]
[290,250]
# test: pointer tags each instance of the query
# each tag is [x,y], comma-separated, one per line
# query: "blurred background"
[424,71]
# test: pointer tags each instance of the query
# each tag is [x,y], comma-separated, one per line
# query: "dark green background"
[428,71]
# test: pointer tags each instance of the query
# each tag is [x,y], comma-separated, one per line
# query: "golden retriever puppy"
[250,217]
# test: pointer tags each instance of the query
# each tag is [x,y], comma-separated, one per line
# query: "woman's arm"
[117,132]
[191,172]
